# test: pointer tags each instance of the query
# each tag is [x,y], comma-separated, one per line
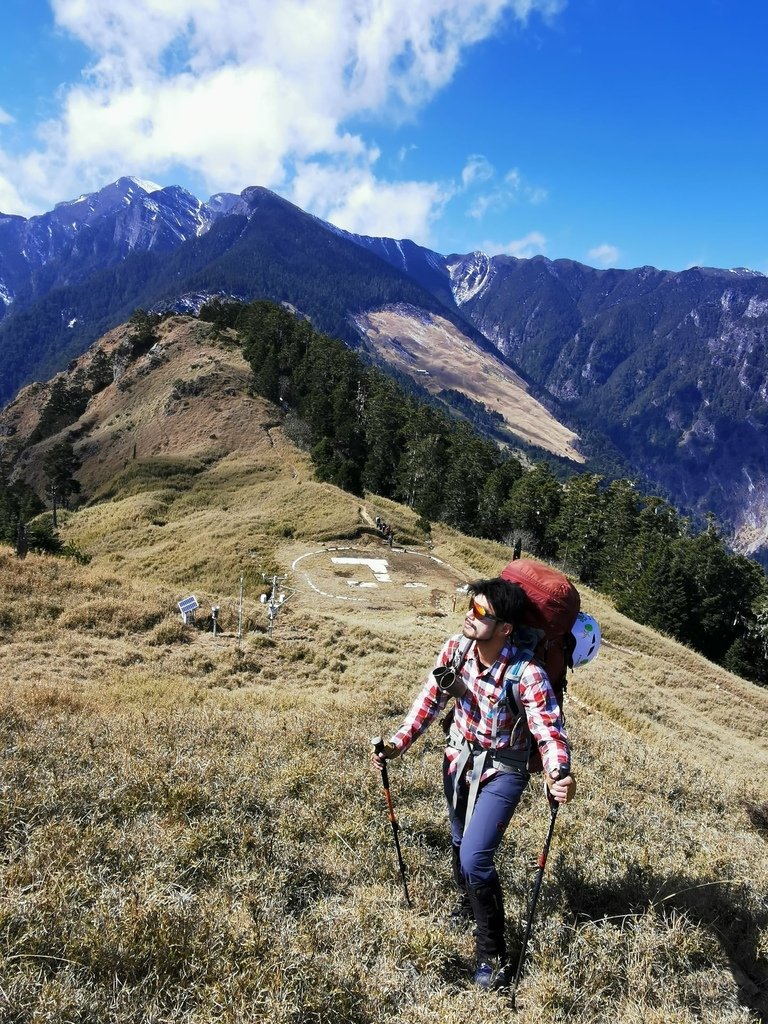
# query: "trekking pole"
[541,864]
[378,747]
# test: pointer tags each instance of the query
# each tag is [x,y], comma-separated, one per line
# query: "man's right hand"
[388,751]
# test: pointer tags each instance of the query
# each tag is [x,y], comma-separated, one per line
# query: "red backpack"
[553,604]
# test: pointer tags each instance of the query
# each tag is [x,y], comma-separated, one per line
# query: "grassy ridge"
[190,832]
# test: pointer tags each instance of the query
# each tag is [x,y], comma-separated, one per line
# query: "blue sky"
[613,132]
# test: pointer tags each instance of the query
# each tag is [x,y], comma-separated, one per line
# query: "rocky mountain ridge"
[668,370]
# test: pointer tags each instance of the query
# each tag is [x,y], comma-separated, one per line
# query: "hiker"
[489,739]
[22,540]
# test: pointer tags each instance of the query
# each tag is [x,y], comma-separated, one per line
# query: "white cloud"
[5,117]
[533,244]
[477,169]
[354,199]
[513,188]
[243,92]
[604,255]
[513,180]
[535,194]
[10,200]
[480,205]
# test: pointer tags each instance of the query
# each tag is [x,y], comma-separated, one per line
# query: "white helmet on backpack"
[586,631]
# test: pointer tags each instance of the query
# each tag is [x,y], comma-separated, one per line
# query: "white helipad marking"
[357,584]
[378,566]
[317,590]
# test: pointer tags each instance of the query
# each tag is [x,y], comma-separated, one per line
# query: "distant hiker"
[485,768]
[517,550]
[22,541]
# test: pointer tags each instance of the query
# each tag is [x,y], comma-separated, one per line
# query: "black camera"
[449,681]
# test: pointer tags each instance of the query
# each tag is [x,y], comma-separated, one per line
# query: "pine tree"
[470,461]
[533,506]
[59,465]
[581,526]
[421,469]
[622,510]
[383,416]
[143,334]
[100,373]
[491,519]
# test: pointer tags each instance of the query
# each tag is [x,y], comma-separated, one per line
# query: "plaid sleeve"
[427,706]
[545,719]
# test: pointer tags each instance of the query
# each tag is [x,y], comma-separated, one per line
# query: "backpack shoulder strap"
[512,676]
[461,652]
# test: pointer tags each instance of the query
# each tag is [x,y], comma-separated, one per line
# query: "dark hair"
[507,599]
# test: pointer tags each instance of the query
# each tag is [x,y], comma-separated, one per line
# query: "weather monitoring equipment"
[188,606]
[275,598]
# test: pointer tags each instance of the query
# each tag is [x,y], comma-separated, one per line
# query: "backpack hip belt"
[502,759]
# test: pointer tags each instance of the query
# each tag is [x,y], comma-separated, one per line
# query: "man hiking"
[485,768]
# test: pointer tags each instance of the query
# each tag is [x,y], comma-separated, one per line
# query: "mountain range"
[649,373]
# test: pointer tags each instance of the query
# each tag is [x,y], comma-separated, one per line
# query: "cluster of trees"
[67,400]
[368,433]
[19,504]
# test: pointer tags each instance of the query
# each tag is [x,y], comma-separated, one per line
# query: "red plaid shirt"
[477,709]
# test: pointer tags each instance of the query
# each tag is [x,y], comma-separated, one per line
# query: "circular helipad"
[381,576]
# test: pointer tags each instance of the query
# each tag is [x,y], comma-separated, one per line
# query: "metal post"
[240,615]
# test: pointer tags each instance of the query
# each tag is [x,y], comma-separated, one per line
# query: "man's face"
[479,626]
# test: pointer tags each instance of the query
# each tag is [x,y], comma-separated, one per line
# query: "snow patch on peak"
[469,275]
[221,204]
[148,186]
[745,272]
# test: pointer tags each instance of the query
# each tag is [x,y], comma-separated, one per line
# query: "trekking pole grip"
[562,773]
[378,748]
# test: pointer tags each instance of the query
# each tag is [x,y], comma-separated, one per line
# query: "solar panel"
[188,604]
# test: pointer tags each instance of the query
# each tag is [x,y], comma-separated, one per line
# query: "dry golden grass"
[436,354]
[190,832]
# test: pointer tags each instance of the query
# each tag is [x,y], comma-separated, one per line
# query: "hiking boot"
[493,975]
[484,974]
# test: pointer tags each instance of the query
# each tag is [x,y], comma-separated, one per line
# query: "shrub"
[110,618]
[169,631]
